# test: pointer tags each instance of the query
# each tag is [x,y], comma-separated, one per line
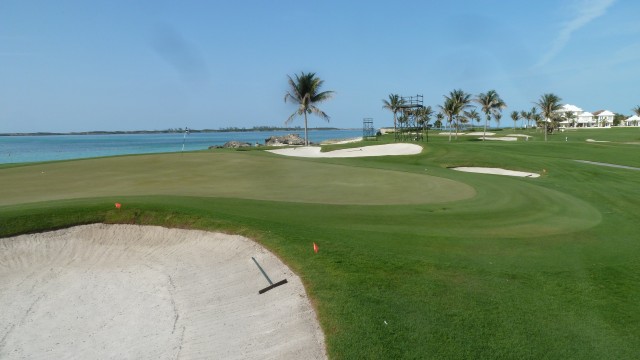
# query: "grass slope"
[541,268]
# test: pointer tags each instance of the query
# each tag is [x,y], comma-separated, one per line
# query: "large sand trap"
[124,291]
[496,171]
[374,150]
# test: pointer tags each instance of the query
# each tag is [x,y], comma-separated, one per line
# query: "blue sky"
[153,65]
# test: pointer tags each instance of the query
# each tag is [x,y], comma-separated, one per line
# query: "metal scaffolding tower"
[408,127]
[368,131]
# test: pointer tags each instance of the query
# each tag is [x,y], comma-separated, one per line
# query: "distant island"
[172,131]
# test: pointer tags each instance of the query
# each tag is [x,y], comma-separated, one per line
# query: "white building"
[573,116]
[585,119]
[632,121]
[604,118]
[570,114]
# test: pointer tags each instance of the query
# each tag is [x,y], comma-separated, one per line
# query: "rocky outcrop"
[290,139]
[231,145]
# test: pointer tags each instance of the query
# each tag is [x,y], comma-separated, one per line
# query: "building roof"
[569,107]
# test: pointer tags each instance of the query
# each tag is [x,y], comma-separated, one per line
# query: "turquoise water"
[21,149]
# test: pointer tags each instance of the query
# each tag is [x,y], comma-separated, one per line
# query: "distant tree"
[549,104]
[461,101]
[497,117]
[636,110]
[524,115]
[448,109]
[305,91]
[438,122]
[534,115]
[571,117]
[515,116]
[618,119]
[491,104]
[472,115]
[424,115]
[394,104]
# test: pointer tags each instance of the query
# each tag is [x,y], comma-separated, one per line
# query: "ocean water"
[21,149]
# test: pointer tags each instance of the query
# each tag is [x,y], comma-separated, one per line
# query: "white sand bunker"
[496,171]
[125,291]
[366,151]
[480,133]
[501,138]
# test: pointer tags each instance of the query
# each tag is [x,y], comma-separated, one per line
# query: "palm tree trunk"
[457,127]
[306,138]
[450,125]
[395,127]
[545,129]
[486,120]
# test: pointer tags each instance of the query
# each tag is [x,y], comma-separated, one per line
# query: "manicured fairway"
[496,268]
[246,175]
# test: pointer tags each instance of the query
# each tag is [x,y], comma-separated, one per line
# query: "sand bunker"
[366,151]
[502,138]
[496,171]
[125,291]
[479,133]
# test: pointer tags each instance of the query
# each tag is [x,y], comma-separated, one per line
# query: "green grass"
[458,265]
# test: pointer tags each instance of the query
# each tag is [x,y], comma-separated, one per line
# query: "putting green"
[245,175]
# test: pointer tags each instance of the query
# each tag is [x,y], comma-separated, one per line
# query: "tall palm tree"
[454,104]
[548,104]
[424,115]
[525,116]
[305,91]
[515,116]
[534,115]
[448,109]
[472,115]
[491,104]
[636,110]
[394,104]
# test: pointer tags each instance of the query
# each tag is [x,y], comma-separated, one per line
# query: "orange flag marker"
[118,205]
[315,248]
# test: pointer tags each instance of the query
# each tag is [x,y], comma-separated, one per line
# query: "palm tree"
[515,116]
[438,122]
[491,104]
[525,116]
[448,109]
[497,117]
[472,115]
[571,117]
[534,116]
[305,91]
[548,104]
[424,115]
[394,104]
[636,110]
[454,104]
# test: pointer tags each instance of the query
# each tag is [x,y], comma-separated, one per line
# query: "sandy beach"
[125,291]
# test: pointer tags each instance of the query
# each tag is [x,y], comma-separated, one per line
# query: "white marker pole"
[184,137]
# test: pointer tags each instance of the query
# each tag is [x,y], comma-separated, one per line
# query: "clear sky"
[133,65]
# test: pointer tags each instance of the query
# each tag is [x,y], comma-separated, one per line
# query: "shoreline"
[169,131]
